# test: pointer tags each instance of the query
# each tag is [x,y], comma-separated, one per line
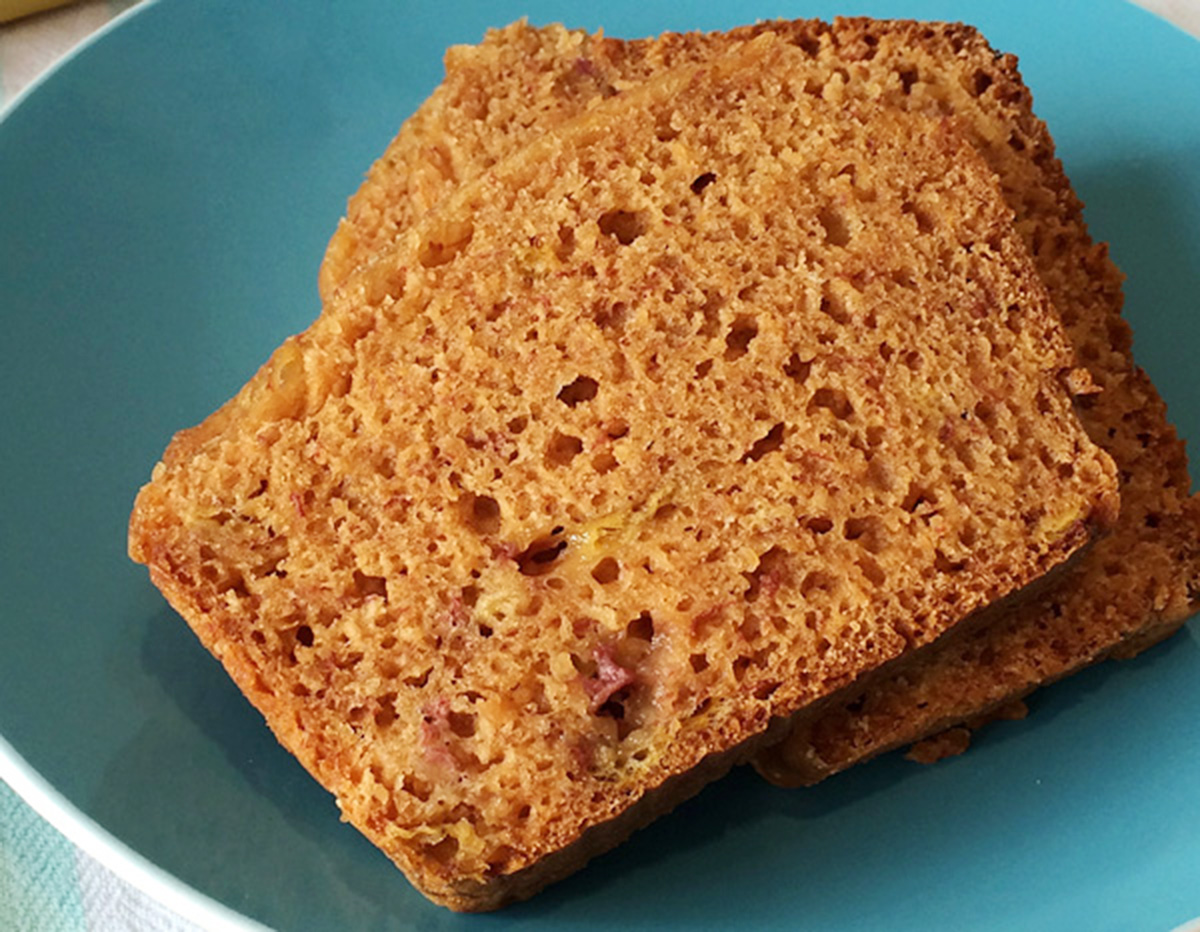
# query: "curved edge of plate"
[1183,16]
[8,106]
[115,855]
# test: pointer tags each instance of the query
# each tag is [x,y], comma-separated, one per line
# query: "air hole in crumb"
[610,316]
[385,281]
[835,308]
[518,424]
[872,570]
[444,851]
[766,578]
[582,389]
[663,130]
[908,77]
[817,581]
[925,220]
[702,182]
[566,242]
[737,341]
[482,513]
[710,312]
[538,558]
[819,524]
[917,496]
[417,787]
[833,400]
[386,713]
[868,531]
[445,244]
[606,571]
[624,226]
[764,445]
[604,463]
[368,586]
[562,448]
[641,628]
[983,81]
[797,368]
[946,565]
[500,858]
[703,368]
[837,229]
[461,723]
[699,662]
[764,691]
[304,634]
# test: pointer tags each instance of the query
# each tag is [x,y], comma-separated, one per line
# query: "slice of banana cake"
[673,423]
[1135,587]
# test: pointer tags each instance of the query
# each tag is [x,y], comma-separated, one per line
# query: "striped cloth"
[46,883]
[49,885]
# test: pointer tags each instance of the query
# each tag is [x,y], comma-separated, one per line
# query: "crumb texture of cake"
[670,424]
[1135,587]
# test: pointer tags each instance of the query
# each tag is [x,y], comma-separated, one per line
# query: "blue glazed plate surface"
[165,198]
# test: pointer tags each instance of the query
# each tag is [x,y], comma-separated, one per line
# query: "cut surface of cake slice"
[673,423]
[1135,587]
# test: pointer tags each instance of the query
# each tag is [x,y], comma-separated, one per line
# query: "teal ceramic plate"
[165,198]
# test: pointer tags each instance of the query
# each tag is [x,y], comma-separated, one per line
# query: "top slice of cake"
[1133,588]
[678,420]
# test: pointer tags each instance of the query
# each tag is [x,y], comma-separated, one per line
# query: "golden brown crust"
[671,424]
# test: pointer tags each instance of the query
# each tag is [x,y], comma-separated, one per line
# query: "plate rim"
[7,107]
[115,855]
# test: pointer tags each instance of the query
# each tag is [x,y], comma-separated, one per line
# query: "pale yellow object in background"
[15,9]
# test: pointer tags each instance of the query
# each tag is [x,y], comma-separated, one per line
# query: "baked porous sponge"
[678,420]
[1134,587]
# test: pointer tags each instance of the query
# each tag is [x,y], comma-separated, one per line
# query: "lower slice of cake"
[668,426]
